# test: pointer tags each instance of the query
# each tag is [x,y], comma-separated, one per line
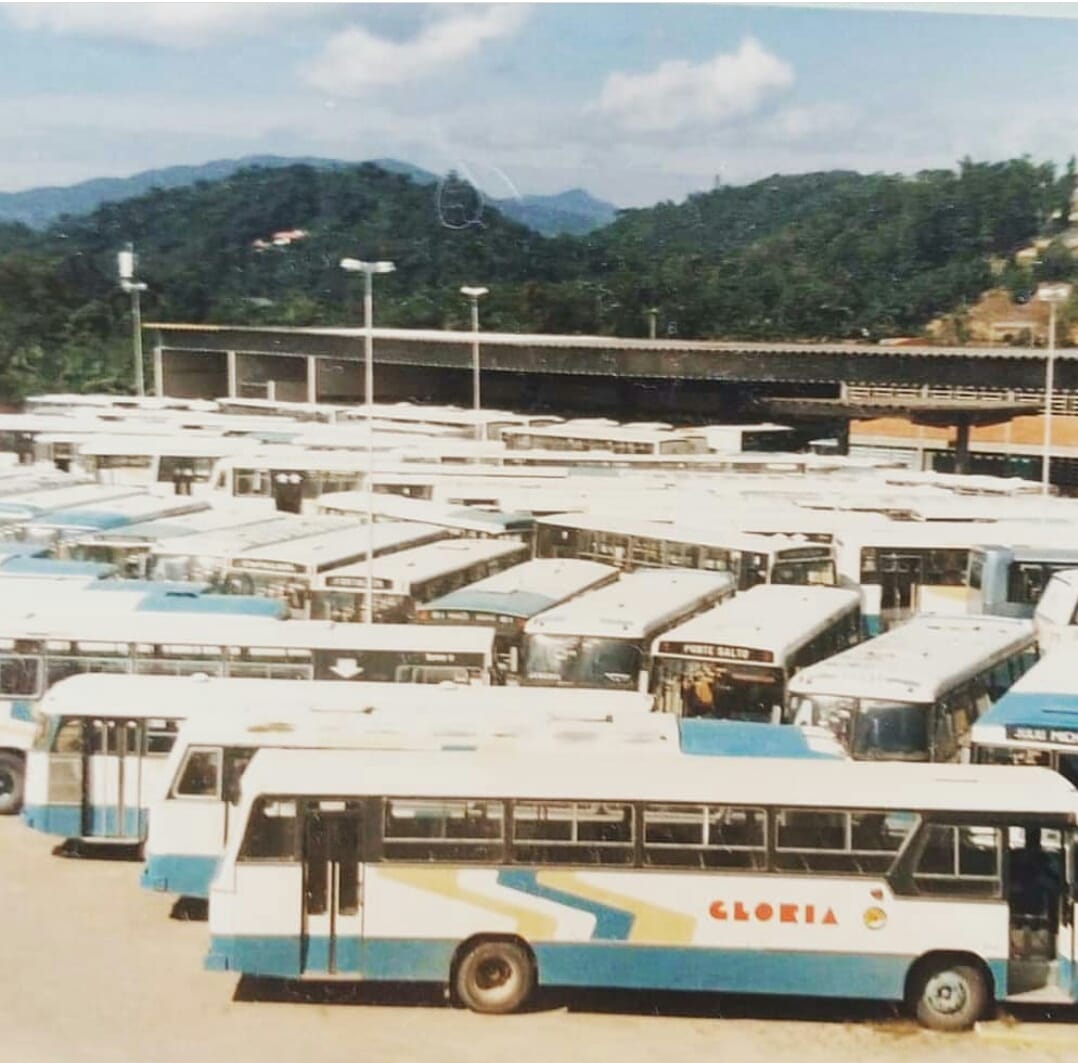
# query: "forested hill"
[829,255]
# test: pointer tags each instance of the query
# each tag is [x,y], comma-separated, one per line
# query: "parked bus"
[511,598]
[404,580]
[206,555]
[183,460]
[1056,613]
[190,818]
[460,520]
[603,638]
[914,692]
[289,569]
[734,661]
[612,438]
[1036,721]
[497,873]
[39,651]
[904,567]
[1009,580]
[99,755]
[630,544]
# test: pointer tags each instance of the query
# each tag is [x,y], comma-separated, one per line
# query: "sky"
[636,103]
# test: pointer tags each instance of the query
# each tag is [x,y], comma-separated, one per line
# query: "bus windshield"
[807,571]
[869,729]
[570,659]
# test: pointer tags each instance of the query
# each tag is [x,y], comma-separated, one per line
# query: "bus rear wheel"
[949,995]
[11,783]
[494,977]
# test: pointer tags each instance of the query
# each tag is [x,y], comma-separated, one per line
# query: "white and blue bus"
[734,661]
[510,599]
[496,873]
[616,539]
[914,692]
[190,819]
[1056,615]
[1009,580]
[604,638]
[1036,721]
[99,756]
[38,651]
[405,579]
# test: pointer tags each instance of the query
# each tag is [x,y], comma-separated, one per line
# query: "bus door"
[332,924]
[112,780]
[900,576]
[1041,947]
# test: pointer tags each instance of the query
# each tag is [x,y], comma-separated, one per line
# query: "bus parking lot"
[97,971]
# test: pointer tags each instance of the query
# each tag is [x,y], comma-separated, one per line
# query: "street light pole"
[127,261]
[1053,295]
[474,295]
[368,269]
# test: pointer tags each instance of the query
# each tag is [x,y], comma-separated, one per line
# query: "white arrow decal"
[346,668]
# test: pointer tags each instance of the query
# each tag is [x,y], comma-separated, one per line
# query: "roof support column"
[961,448]
[231,359]
[312,378]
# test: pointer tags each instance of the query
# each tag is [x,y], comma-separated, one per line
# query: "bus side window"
[271,831]
[958,860]
[69,737]
[160,736]
[201,774]
[236,761]
[20,677]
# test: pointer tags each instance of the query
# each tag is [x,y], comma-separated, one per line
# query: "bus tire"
[12,773]
[494,977]
[949,993]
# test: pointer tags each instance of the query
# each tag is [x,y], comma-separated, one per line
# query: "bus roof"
[775,619]
[1044,698]
[156,695]
[423,562]
[915,661]
[224,542]
[23,566]
[541,775]
[398,507]
[334,547]
[119,512]
[184,631]
[635,606]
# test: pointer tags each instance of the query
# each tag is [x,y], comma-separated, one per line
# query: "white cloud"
[355,60]
[678,94]
[170,25]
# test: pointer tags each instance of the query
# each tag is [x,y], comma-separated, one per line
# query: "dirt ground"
[97,972]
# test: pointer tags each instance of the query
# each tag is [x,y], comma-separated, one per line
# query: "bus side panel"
[667,929]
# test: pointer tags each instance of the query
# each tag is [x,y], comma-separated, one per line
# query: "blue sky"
[635,102]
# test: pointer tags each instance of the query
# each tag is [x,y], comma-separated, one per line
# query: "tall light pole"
[474,295]
[1053,295]
[368,269]
[127,262]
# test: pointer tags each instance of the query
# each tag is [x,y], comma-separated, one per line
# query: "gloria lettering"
[766,912]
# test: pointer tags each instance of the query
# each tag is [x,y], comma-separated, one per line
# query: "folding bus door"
[332,888]
[112,780]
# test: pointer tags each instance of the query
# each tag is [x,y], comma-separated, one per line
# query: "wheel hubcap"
[493,974]
[7,784]
[946,993]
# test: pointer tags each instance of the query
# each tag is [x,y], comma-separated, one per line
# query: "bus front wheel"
[494,977]
[11,781]
[949,995]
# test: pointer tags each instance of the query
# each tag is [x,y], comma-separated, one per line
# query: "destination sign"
[1059,735]
[267,566]
[714,652]
[358,583]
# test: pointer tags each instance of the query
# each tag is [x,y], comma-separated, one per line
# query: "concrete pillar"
[231,357]
[961,448]
[312,378]
[842,437]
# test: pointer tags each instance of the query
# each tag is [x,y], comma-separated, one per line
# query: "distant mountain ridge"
[575,211]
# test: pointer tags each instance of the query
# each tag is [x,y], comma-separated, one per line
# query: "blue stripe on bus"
[21,709]
[181,874]
[613,965]
[66,821]
[610,923]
